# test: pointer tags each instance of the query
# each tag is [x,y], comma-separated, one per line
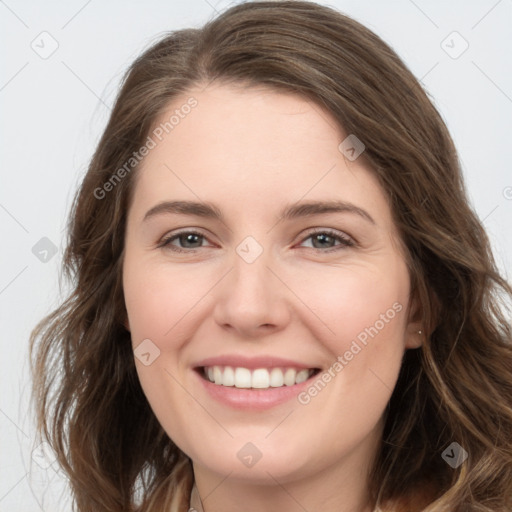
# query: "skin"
[251,152]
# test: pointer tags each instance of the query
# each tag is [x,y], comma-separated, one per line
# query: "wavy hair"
[457,388]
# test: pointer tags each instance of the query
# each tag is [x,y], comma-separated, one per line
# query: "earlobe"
[415,333]
[415,339]
[126,322]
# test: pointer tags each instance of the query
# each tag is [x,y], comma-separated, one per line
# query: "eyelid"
[332,231]
[170,237]
[344,239]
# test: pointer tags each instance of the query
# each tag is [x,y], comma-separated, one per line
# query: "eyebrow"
[294,211]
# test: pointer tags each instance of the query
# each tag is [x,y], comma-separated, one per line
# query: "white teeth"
[289,377]
[242,377]
[228,378]
[217,375]
[260,378]
[301,376]
[276,378]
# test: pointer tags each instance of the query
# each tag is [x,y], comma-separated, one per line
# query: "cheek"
[363,317]
[159,298]
[363,311]
[358,302]
[160,302]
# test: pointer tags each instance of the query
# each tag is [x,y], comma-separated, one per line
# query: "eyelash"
[344,241]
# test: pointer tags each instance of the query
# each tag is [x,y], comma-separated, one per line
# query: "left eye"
[323,240]
[327,240]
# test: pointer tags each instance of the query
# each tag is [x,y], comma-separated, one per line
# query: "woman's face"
[269,287]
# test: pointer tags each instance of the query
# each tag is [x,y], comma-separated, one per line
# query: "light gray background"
[54,109]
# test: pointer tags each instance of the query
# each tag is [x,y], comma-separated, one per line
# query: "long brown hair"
[456,388]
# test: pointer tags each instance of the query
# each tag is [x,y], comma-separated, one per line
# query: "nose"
[251,300]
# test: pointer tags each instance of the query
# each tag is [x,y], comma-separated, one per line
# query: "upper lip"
[252,363]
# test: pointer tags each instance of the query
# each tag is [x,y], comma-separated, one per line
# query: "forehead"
[252,146]
[240,122]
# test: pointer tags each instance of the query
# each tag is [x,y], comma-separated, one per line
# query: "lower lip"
[253,399]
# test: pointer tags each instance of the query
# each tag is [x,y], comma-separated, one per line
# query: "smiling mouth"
[260,378]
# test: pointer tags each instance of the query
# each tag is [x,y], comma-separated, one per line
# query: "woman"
[282,298]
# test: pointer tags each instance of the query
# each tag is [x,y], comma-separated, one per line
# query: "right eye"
[189,241]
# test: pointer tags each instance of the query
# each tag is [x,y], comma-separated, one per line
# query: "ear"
[125,321]
[414,332]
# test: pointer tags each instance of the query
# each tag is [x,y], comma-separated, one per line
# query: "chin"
[256,463]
